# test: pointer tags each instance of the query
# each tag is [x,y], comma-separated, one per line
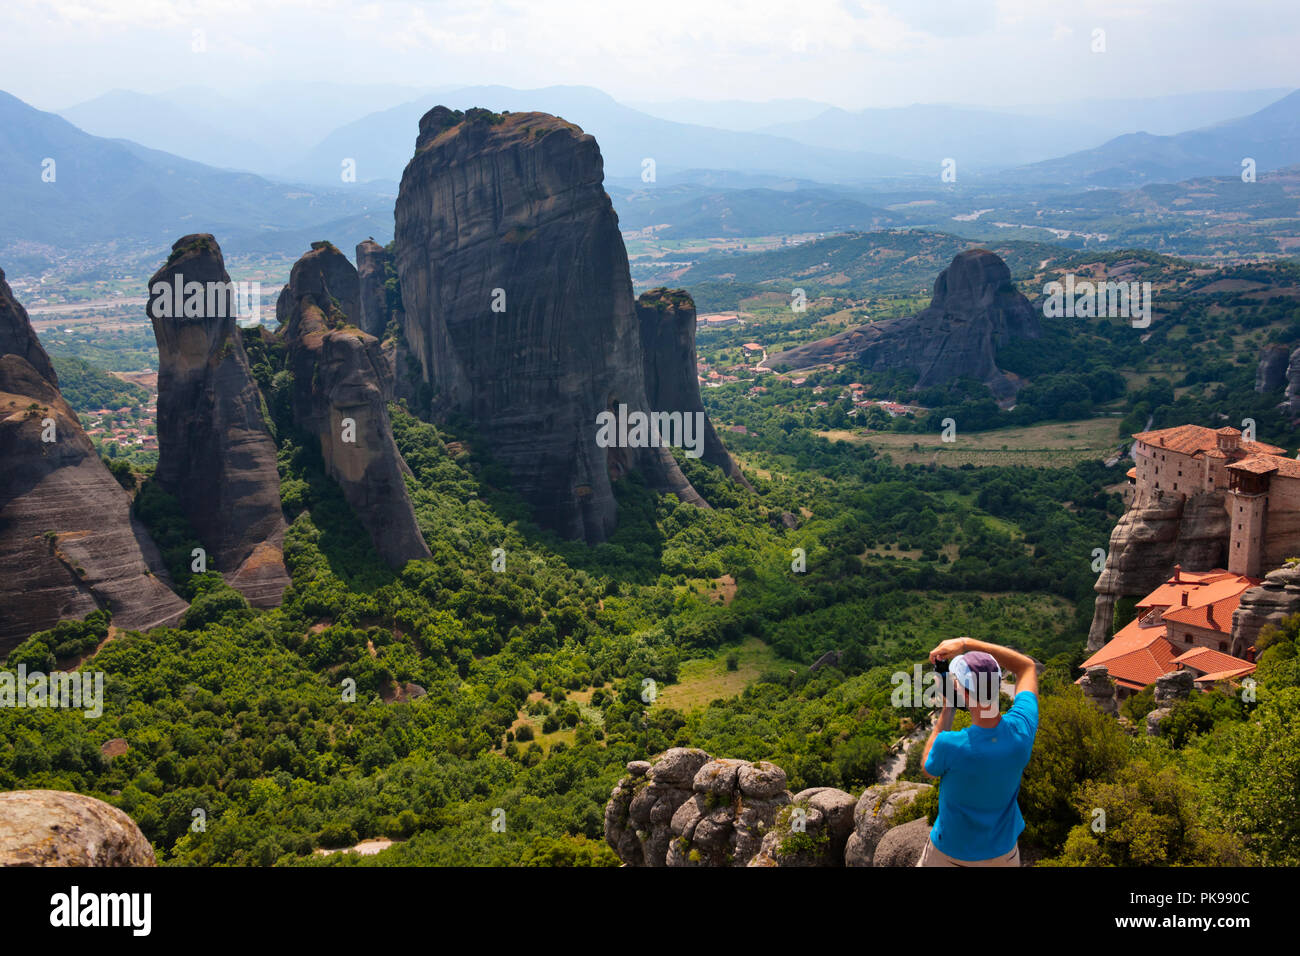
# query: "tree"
[1144,817]
[1076,743]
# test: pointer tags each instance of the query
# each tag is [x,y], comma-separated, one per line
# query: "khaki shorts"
[933,856]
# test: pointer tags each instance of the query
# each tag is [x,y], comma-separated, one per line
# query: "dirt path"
[891,768]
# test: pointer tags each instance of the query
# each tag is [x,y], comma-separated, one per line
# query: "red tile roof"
[1136,655]
[1226,675]
[1210,661]
[1264,464]
[1191,439]
[1209,605]
[1170,593]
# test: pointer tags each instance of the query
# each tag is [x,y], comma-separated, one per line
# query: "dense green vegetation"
[86,387]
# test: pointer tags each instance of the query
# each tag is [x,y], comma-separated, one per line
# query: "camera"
[949,693]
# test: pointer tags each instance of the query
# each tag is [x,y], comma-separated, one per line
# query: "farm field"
[705,679]
[1052,445]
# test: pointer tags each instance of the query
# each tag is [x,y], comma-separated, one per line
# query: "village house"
[1185,624]
[719,320]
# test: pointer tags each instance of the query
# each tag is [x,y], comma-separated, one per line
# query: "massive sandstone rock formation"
[55,828]
[686,808]
[667,318]
[1146,544]
[215,451]
[1271,371]
[1292,402]
[68,542]
[372,260]
[341,388]
[518,307]
[975,310]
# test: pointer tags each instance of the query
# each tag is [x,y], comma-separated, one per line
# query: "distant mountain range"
[1270,136]
[65,189]
[260,131]
[134,177]
[303,131]
[989,139]
[689,212]
[744,116]
[381,142]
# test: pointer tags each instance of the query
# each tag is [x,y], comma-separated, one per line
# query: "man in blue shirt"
[979,822]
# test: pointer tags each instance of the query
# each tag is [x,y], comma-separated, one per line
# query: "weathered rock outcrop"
[686,808]
[215,451]
[55,828]
[811,831]
[1169,689]
[340,396]
[904,844]
[1173,687]
[518,307]
[873,817]
[68,542]
[372,261]
[1146,544]
[667,319]
[1271,371]
[1098,687]
[975,310]
[1269,604]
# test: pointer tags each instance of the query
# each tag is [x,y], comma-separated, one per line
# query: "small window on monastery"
[1223,647]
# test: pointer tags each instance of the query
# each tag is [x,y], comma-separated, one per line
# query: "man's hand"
[949,649]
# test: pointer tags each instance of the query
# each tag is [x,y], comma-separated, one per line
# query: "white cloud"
[854,53]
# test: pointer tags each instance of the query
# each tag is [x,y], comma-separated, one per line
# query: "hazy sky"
[852,53]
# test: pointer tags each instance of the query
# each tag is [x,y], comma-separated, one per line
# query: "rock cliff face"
[371,261]
[1293,384]
[340,396]
[667,319]
[686,808]
[54,828]
[974,311]
[215,451]
[68,543]
[1270,603]
[1271,372]
[1146,544]
[518,307]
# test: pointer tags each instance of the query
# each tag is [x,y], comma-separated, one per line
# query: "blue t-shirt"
[979,817]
